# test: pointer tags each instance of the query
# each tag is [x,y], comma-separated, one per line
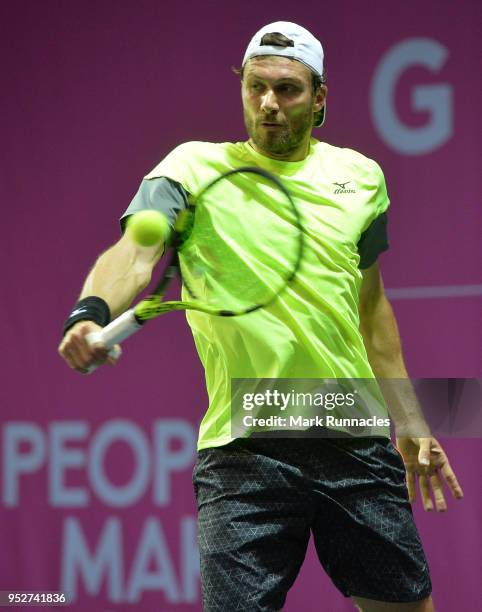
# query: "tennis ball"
[148,227]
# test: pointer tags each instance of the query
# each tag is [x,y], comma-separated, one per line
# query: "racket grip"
[117,331]
[114,352]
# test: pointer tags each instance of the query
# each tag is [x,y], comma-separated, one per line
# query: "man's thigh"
[254,527]
[364,533]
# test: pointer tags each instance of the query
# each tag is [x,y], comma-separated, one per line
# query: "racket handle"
[117,331]
[114,352]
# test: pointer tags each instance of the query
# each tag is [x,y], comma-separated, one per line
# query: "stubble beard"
[281,141]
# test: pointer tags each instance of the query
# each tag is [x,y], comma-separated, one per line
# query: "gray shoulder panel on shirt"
[373,241]
[162,194]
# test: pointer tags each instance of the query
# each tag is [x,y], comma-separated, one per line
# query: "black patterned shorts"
[259,499]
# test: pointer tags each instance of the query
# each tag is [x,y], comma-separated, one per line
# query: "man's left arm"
[421,452]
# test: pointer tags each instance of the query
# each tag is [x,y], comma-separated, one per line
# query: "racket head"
[236,247]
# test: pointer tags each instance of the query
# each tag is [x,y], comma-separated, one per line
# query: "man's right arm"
[118,276]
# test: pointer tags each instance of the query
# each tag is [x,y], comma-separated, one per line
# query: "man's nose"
[269,103]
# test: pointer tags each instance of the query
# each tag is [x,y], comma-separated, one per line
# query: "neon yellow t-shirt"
[312,329]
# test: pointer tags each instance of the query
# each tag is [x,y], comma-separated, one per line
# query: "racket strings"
[236,247]
[245,244]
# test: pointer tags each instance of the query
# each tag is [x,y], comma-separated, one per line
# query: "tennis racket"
[236,247]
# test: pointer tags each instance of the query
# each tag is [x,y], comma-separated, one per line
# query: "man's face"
[279,106]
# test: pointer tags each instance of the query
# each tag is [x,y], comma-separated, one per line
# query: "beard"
[282,140]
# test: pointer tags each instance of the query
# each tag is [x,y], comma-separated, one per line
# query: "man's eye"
[287,88]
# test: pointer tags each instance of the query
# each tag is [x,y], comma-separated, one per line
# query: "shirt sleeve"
[162,194]
[373,241]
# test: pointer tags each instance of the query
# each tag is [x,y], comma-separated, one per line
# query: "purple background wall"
[93,95]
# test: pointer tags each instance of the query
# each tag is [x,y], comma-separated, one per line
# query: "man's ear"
[320,98]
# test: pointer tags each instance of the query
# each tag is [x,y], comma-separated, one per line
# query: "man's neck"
[298,154]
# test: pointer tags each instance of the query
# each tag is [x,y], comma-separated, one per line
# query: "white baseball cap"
[304,48]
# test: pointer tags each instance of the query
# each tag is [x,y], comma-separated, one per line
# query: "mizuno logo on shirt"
[342,188]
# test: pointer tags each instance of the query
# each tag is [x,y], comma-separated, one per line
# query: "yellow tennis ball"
[148,227]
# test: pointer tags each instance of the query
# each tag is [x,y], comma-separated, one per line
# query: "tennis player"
[259,499]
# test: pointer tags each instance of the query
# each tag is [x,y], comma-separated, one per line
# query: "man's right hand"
[78,353]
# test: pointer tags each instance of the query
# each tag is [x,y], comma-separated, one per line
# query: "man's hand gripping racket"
[235,248]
